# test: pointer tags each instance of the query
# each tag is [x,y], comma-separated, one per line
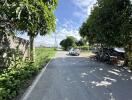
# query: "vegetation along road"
[80,78]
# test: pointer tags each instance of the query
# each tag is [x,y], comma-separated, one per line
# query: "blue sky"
[69,16]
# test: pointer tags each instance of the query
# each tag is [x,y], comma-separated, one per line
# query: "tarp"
[119,50]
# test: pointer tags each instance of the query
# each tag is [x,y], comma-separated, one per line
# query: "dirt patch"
[87,54]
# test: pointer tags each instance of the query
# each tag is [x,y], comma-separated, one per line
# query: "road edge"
[34,83]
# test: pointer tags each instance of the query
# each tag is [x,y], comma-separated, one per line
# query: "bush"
[13,78]
[83,47]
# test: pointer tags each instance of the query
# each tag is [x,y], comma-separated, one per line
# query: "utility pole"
[55,43]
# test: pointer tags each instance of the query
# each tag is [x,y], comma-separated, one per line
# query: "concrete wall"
[22,45]
[10,42]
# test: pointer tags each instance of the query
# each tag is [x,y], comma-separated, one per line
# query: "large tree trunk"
[32,48]
[128,56]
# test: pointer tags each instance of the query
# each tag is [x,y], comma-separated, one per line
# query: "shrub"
[13,78]
[83,47]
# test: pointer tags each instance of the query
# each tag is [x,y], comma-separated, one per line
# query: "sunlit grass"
[43,55]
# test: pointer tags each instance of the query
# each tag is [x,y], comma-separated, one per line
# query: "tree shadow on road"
[110,80]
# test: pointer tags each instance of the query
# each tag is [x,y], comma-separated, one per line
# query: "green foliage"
[110,23]
[35,17]
[80,42]
[69,42]
[14,58]
[15,77]
[43,55]
[87,34]
[85,47]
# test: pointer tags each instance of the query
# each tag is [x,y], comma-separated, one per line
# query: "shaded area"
[80,78]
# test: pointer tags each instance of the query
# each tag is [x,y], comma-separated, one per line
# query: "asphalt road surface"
[80,78]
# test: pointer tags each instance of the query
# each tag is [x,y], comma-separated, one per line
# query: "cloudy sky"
[69,16]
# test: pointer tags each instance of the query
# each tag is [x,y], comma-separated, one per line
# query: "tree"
[86,34]
[6,14]
[80,42]
[70,41]
[63,44]
[31,16]
[111,21]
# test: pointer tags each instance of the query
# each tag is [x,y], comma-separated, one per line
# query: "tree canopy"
[31,16]
[86,34]
[69,42]
[111,23]
[81,42]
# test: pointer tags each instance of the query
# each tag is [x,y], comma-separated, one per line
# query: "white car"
[75,52]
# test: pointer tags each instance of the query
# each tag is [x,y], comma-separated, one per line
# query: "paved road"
[79,78]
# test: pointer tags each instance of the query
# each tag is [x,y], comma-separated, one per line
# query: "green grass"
[42,57]
[42,54]
[13,79]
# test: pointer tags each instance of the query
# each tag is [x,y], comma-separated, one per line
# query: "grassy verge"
[13,79]
[43,55]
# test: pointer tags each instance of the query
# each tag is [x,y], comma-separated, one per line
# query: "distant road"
[79,78]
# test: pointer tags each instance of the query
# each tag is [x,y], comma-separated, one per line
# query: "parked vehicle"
[111,56]
[75,52]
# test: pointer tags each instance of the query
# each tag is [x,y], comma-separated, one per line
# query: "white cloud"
[79,14]
[67,29]
[64,32]
[85,7]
